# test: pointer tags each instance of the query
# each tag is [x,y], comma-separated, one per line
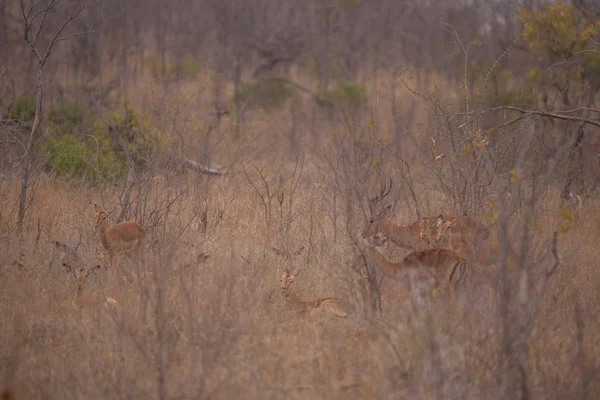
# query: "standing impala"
[411,237]
[121,238]
[417,235]
[438,268]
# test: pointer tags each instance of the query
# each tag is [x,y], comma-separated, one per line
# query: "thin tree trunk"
[117,137]
[28,150]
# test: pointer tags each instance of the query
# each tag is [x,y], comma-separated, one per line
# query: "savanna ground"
[302,151]
[221,329]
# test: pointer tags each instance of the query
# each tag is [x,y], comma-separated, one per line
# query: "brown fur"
[483,252]
[123,237]
[330,304]
[442,267]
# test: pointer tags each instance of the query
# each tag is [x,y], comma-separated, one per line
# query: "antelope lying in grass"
[80,270]
[330,304]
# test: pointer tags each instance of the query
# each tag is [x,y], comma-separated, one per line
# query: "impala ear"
[277,251]
[97,208]
[59,245]
[110,212]
[67,267]
[94,269]
[437,222]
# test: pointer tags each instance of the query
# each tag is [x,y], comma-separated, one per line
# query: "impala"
[417,235]
[411,237]
[81,270]
[121,238]
[330,304]
[438,267]
[486,253]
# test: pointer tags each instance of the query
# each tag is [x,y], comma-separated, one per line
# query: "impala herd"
[442,252]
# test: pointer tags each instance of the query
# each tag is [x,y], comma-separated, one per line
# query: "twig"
[555,254]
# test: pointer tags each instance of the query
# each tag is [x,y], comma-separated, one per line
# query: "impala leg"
[140,253]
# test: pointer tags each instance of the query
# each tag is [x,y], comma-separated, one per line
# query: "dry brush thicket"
[189,326]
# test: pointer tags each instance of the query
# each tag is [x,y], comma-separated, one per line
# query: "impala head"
[375,217]
[285,282]
[74,265]
[101,215]
[80,273]
[285,258]
[425,228]
[443,227]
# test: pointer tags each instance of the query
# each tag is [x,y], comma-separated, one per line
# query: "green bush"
[189,67]
[69,116]
[515,97]
[352,94]
[346,94]
[94,155]
[23,109]
[267,94]
[67,156]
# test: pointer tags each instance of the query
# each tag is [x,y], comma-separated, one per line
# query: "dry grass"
[184,328]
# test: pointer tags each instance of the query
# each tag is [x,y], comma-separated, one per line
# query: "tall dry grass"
[188,328]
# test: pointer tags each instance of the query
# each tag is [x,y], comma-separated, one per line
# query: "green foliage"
[69,116]
[83,147]
[23,109]
[515,97]
[557,31]
[568,220]
[74,158]
[155,64]
[267,94]
[346,94]
[350,93]
[591,64]
[189,67]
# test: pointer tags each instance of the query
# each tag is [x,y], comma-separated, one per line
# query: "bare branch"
[496,63]
[528,113]
[72,16]
[573,56]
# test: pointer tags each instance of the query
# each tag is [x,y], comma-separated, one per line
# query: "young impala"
[287,280]
[121,238]
[80,270]
[330,304]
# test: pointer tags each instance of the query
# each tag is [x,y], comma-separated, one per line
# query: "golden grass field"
[183,328]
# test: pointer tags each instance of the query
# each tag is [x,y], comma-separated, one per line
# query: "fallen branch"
[202,168]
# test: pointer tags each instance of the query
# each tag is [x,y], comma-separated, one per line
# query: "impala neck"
[388,267]
[103,236]
[291,296]
[404,236]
